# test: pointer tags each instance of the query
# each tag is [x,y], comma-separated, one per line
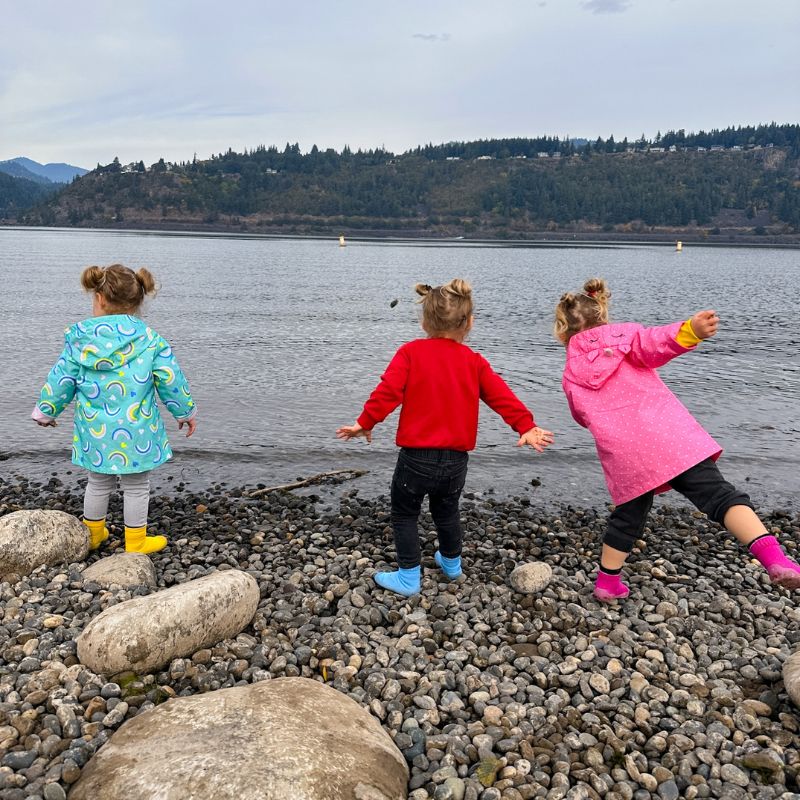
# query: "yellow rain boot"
[98,532]
[137,541]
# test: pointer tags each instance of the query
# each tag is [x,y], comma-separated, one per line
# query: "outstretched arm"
[495,392]
[385,398]
[654,347]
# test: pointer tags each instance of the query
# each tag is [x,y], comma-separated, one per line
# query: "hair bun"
[458,287]
[423,288]
[146,280]
[597,288]
[92,278]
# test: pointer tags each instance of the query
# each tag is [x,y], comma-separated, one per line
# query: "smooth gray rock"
[146,633]
[29,539]
[124,569]
[791,677]
[530,578]
[283,739]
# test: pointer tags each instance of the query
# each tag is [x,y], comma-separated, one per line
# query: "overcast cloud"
[86,81]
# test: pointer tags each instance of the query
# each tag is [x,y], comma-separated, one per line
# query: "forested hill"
[743,178]
[18,194]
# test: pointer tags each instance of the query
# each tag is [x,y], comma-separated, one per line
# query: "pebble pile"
[490,693]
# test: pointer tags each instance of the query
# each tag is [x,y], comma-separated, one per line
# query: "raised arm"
[59,388]
[654,347]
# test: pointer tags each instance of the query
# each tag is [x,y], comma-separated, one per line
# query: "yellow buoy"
[678,247]
[342,242]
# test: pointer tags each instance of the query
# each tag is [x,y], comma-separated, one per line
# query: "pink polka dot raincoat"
[644,435]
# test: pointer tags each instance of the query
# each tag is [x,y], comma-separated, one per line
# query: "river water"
[283,340]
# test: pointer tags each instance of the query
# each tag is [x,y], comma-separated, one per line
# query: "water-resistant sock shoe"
[608,588]
[98,532]
[137,541]
[780,568]
[404,581]
[451,567]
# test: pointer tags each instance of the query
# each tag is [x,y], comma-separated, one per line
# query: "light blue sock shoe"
[404,581]
[451,567]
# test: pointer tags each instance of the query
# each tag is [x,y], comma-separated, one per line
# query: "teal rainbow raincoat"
[113,367]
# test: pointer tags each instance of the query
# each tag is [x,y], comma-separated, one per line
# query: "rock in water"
[146,633]
[791,677]
[29,539]
[530,578]
[284,739]
[123,569]
[393,303]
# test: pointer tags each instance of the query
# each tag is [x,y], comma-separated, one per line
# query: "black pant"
[440,474]
[702,484]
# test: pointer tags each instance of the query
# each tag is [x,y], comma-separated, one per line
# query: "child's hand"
[352,432]
[537,438]
[191,424]
[704,324]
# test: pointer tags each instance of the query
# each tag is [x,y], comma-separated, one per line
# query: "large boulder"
[284,739]
[123,569]
[29,539]
[530,578]
[145,633]
[791,677]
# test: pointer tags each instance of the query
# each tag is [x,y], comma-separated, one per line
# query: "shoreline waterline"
[600,243]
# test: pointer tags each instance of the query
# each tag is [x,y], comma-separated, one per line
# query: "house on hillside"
[485,158]
[542,155]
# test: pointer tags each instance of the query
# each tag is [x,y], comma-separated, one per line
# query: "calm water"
[283,341]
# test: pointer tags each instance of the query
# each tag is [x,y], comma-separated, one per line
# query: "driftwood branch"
[337,476]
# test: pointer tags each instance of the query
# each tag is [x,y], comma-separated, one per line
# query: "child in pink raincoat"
[646,439]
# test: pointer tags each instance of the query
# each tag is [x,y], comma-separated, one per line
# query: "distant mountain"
[54,173]
[16,170]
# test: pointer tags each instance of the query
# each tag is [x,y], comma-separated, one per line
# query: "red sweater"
[439,382]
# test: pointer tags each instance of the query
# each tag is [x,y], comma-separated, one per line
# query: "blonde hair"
[123,289]
[445,308]
[577,311]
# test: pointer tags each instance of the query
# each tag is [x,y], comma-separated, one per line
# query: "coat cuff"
[525,426]
[366,421]
[39,415]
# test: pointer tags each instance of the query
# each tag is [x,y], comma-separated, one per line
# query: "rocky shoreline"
[488,693]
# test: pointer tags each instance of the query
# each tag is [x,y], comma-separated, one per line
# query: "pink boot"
[780,568]
[608,588]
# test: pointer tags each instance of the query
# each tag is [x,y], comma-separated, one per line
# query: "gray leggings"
[135,496]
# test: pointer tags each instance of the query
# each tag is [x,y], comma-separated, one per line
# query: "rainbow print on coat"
[114,367]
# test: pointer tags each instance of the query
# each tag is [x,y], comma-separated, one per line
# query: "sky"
[83,82]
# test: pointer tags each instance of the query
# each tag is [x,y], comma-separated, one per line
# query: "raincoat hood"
[106,343]
[594,355]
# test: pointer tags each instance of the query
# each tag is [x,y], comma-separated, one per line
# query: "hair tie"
[591,293]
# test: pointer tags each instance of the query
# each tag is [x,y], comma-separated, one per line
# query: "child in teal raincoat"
[113,366]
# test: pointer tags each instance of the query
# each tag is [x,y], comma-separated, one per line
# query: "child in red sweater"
[438,381]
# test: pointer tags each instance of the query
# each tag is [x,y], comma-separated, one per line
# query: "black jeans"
[702,484]
[440,474]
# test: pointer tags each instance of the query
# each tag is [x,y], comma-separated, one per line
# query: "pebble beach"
[488,692]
